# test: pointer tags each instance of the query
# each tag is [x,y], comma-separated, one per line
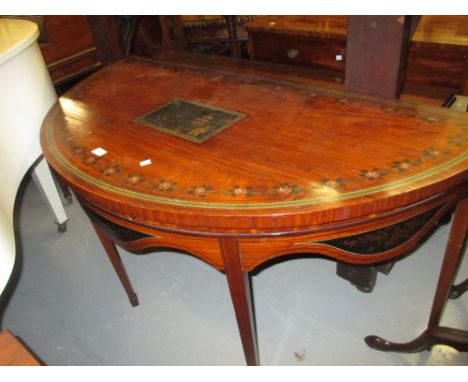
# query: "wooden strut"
[436,334]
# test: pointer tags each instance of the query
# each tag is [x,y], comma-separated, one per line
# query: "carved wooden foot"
[455,338]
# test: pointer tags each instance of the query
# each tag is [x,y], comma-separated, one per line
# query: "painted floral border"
[111,168]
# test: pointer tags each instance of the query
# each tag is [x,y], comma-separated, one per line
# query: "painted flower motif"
[134,179]
[430,153]
[333,183]
[240,191]
[111,170]
[343,101]
[456,140]
[166,185]
[371,174]
[399,111]
[78,150]
[200,190]
[287,189]
[284,189]
[401,166]
[90,160]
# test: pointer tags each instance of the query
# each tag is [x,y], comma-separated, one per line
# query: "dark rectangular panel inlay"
[190,120]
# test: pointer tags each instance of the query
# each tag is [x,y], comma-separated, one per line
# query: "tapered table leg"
[435,334]
[239,286]
[116,261]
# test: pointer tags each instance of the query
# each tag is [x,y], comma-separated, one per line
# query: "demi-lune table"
[238,169]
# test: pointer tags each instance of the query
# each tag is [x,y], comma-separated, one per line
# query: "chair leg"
[43,179]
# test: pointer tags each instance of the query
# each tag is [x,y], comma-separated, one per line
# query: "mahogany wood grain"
[306,26]
[239,285]
[304,169]
[304,75]
[326,157]
[106,37]
[68,47]
[300,40]
[454,252]
[447,30]
[437,54]
[376,54]
[116,261]
[14,353]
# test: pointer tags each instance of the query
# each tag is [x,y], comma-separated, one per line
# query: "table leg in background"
[436,334]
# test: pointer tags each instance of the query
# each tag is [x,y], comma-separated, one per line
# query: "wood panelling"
[68,48]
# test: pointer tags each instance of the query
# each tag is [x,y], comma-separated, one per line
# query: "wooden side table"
[237,169]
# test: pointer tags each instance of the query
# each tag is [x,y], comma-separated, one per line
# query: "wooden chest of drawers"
[437,56]
[300,40]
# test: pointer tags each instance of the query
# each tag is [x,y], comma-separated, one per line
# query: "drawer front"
[321,53]
[437,64]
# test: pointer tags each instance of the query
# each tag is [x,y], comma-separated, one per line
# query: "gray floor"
[70,309]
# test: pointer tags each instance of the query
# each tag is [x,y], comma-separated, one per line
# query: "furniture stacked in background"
[437,55]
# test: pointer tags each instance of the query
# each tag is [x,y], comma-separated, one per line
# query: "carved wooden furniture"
[437,54]
[222,35]
[67,45]
[318,41]
[238,168]
[68,48]
[458,103]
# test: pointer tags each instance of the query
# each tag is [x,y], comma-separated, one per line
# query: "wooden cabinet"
[300,40]
[67,45]
[437,55]
[68,48]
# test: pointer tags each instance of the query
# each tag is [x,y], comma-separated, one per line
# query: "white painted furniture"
[26,95]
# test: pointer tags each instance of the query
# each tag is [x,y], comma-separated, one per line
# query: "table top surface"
[243,145]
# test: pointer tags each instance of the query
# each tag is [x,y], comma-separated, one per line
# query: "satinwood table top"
[268,153]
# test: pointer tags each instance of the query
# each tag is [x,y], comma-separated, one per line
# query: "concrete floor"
[70,309]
